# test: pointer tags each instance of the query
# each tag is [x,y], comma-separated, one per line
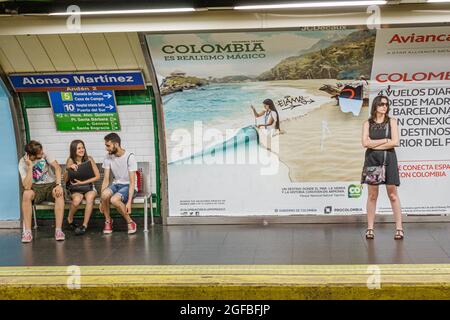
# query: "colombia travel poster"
[308,162]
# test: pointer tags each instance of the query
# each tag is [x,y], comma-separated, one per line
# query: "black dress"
[375,157]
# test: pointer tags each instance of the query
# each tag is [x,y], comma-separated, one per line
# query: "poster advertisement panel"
[269,123]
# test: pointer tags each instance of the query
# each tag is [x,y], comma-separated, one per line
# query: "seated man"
[40,184]
[123,166]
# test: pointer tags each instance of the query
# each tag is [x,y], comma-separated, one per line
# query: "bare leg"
[59,211]
[395,204]
[105,198]
[116,201]
[90,197]
[371,205]
[27,210]
[76,200]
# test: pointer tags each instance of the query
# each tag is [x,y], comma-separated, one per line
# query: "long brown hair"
[271,105]
[373,112]
[73,151]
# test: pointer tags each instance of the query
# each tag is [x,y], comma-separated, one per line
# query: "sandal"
[399,234]
[370,234]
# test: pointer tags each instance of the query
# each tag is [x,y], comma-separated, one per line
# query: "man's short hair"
[113,137]
[33,148]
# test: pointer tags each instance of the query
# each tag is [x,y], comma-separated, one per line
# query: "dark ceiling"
[47,6]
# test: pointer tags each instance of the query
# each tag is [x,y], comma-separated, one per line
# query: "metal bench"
[142,200]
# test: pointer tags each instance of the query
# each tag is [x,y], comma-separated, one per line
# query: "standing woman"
[271,116]
[80,189]
[380,137]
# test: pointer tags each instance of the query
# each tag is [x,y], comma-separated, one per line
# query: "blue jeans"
[123,190]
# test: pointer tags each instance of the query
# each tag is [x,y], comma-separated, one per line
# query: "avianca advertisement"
[270,123]
[412,67]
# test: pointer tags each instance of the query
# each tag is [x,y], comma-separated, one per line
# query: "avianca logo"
[419,38]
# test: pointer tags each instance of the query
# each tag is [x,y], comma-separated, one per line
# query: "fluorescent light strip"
[437,1]
[136,11]
[312,5]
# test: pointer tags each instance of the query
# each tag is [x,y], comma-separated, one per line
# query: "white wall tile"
[136,133]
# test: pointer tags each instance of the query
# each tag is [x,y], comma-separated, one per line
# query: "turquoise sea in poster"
[225,107]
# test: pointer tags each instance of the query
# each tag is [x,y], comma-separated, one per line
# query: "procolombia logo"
[354,190]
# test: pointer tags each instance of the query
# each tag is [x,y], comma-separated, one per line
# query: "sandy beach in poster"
[310,153]
[341,156]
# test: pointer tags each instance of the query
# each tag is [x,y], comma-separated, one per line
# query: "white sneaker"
[27,236]
[59,235]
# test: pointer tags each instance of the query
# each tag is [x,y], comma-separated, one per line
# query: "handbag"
[81,188]
[375,175]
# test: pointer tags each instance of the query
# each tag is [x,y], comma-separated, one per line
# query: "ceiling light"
[108,12]
[311,5]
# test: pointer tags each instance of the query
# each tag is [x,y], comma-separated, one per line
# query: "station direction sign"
[85,110]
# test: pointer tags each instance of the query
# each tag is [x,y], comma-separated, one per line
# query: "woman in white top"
[271,116]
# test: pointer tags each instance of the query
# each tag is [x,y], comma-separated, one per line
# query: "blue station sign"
[120,80]
[84,110]
[101,101]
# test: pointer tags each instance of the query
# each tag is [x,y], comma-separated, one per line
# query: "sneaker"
[59,235]
[72,226]
[132,227]
[80,230]
[107,229]
[27,236]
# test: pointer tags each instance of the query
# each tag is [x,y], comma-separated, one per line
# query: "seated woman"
[80,189]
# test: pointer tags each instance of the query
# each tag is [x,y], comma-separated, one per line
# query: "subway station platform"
[232,244]
[302,261]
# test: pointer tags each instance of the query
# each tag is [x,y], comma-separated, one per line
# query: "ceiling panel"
[15,54]
[57,52]
[100,51]
[78,51]
[36,53]
[72,52]
[5,64]
[121,49]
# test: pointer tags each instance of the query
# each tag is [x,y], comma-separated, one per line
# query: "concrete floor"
[424,243]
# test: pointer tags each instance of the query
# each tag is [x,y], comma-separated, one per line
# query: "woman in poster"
[380,137]
[271,117]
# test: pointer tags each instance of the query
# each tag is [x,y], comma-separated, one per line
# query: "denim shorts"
[123,190]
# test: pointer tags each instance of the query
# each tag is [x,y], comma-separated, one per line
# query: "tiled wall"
[136,132]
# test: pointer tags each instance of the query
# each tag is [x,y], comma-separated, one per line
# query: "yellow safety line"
[409,281]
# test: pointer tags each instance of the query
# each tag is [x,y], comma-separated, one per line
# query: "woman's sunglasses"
[382,104]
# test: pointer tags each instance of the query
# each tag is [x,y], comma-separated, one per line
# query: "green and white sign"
[85,110]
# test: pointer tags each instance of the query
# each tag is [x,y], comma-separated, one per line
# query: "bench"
[143,198]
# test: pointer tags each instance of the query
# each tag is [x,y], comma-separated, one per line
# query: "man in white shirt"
[41,180]
[123,166]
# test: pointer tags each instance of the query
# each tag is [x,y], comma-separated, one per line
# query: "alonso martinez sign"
[131,80]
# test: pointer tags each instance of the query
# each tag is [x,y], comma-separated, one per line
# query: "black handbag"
[375,175]
[79,188]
